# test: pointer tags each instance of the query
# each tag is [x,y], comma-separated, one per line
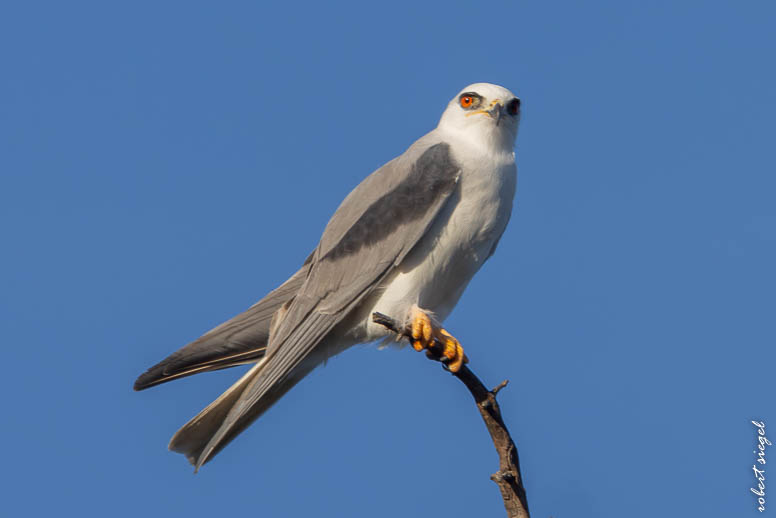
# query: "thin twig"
[508,477]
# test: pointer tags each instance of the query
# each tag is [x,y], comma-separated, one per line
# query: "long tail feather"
[192,437]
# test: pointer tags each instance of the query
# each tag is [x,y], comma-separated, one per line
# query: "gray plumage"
[371,232]
[242,339]
[410,235]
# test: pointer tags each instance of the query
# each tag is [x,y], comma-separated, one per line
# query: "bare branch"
[500,386]
[508,477]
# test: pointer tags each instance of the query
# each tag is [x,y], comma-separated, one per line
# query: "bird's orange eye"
[466,101]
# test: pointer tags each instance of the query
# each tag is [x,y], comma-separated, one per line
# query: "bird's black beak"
[497,112]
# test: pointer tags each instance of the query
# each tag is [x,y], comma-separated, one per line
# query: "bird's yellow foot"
[439,344]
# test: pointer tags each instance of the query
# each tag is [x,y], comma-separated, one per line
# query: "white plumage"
[408,239]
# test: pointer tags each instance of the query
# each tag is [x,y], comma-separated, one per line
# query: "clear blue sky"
[163,165]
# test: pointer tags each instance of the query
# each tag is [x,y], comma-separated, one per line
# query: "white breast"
[436,272]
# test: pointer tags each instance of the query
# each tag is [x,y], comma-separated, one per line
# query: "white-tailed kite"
[405,243]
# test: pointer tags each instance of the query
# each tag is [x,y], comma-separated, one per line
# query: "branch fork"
[508,477]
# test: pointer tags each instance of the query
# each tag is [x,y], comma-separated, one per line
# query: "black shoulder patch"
[432,176]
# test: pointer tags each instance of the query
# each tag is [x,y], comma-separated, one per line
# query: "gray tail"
[193,439]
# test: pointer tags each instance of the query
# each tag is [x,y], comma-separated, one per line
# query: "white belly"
[434,275]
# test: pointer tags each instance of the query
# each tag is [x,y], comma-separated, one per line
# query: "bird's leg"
[426,336]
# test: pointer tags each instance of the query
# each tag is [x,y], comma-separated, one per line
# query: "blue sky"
[163,165]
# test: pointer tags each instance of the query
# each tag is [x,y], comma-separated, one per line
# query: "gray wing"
[371,232]
[242,339]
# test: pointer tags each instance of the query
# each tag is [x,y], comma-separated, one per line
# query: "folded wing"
[242,339]
[369,235]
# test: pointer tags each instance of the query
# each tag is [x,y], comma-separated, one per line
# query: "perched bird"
[405,242]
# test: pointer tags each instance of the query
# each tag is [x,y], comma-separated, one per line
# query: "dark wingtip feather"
[161,373]
[178,365]
[148,379]
[240,340]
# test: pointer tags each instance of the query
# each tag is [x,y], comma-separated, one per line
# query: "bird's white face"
[483,113]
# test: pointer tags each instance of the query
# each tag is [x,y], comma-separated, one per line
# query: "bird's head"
[483,112]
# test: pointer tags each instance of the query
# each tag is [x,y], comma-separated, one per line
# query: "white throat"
[489,140]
